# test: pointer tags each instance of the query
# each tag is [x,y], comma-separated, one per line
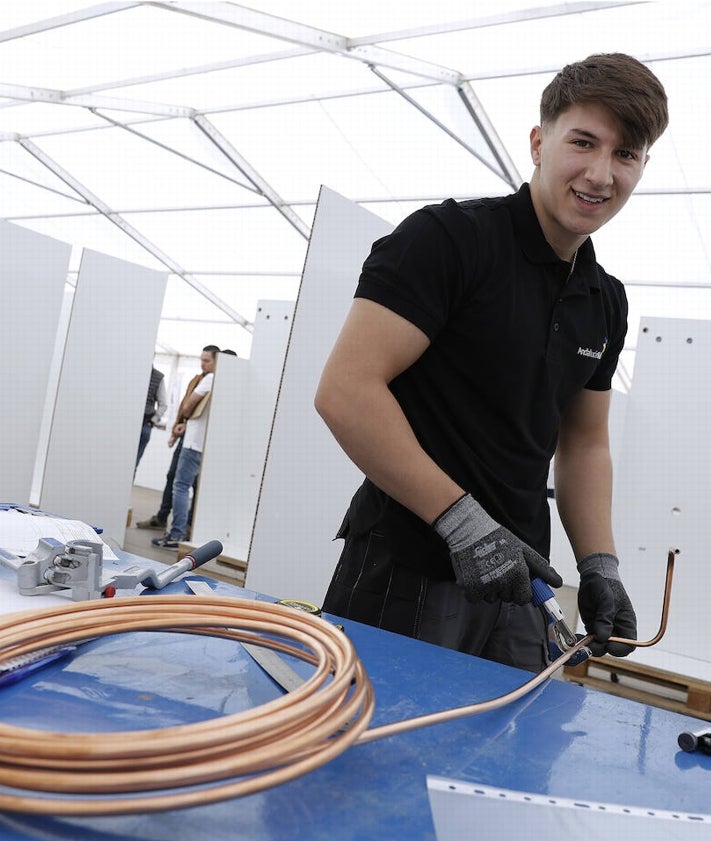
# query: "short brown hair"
[620,82]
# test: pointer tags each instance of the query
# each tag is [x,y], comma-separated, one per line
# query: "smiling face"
[583,174]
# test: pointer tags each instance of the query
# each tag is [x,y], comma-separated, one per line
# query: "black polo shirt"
[513,339]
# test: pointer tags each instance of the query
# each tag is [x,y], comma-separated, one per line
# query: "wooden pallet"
[655,687]
[223,568]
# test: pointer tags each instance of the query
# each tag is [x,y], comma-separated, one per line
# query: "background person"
[159,520]
[191,426]
[156,404]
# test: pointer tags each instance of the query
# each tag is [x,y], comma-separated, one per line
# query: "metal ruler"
[277,668]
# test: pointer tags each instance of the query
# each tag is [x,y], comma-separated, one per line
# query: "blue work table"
[562,740]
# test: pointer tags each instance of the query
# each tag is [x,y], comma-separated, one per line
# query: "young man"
[159,520]
[190,427]
[482,341]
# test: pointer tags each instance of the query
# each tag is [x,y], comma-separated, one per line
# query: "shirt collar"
[537,249]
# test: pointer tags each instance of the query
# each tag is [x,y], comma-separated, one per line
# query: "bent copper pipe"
[495,703]
[665,608]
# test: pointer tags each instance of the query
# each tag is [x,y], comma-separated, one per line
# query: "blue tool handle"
[541,592]
[205,553]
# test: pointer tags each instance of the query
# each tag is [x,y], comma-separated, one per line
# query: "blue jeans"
[185,476]
[166,503]
[146,430]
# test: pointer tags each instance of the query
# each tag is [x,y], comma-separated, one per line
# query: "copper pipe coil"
[222,758]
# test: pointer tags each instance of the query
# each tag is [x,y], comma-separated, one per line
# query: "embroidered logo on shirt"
[593,354]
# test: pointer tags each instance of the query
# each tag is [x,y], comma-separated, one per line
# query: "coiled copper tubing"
[55,773]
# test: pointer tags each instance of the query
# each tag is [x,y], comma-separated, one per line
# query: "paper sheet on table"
[501,813]
[20,532]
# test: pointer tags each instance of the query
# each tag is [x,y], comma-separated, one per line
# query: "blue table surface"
[561,740]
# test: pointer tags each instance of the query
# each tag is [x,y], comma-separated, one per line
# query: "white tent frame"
[404,74]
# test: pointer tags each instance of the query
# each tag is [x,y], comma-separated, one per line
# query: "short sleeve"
[417,270]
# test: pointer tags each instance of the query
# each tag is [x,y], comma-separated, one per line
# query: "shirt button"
[556,327]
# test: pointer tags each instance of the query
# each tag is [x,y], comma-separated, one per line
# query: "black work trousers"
[369,587]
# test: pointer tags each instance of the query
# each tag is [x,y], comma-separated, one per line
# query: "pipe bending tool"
[560,637]
[78,566]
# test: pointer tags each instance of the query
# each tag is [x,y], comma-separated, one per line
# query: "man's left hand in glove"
[605,607]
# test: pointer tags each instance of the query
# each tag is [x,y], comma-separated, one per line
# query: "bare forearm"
[374,346]
[583,490]
[379,440]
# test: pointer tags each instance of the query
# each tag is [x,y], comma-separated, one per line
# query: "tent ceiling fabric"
[194,137]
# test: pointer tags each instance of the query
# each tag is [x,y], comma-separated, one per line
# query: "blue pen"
[19,667]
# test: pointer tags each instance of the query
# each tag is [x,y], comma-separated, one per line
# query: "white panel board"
[662,492]
[156,460]
[458,806]
[102,392]
[33,271]
[308,480]
[241,415]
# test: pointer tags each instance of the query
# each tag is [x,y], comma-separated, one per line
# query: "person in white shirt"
[192,427]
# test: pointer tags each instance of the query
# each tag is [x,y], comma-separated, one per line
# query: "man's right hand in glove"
[490,563]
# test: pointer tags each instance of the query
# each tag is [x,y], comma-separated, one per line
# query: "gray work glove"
[605,607]
[490,563]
